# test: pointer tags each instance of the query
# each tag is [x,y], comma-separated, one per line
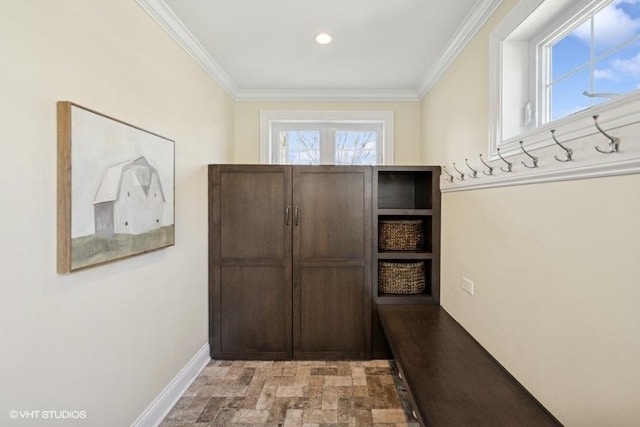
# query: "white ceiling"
[383,49]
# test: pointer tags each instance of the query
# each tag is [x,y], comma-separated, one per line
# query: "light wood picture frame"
[115,189]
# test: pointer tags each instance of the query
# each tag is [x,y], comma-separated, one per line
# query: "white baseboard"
[162,404]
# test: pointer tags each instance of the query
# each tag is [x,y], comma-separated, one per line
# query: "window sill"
[613,115]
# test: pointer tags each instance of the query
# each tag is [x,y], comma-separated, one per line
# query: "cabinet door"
[250,255]
[332,255]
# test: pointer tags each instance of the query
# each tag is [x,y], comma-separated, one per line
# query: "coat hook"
[460,172]
[613,141]
[488,167]
[509,164]
[534,158]
[568,151]
[444,169]
[474,173]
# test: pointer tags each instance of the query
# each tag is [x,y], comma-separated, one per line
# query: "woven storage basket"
[400,235]
[401,277]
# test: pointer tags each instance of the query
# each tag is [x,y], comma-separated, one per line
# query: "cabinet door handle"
[297,215]
[288,214]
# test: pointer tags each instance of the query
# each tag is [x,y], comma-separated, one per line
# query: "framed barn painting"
[115,189]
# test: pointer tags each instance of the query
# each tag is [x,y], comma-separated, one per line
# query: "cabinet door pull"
[288,214]
[297,215]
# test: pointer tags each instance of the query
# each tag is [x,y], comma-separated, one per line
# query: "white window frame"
[271,120]
[515,80]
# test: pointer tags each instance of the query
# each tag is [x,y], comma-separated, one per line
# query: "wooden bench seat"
[451,379]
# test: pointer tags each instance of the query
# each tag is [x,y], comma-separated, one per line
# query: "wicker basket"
[400,235]
[401,277]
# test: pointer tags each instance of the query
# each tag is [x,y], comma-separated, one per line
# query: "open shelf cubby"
[408,193]
[404,190]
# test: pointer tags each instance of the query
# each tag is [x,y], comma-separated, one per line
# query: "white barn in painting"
[129,199]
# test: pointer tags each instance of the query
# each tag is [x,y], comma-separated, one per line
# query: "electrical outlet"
[467,285]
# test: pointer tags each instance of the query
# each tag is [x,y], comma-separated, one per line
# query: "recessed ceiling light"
[322,38]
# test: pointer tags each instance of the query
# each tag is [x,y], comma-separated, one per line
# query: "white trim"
[586,163]
[168,20]
[626,167]
[327,95]
[268,116]
[469,28]
[264,141]
[153,415]
[514,18]
[617,113]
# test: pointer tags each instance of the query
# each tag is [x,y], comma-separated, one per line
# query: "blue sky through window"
[601,56]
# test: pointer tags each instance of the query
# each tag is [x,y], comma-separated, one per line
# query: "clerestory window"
[327,143]
[558,63]
[592,59]
[334,138]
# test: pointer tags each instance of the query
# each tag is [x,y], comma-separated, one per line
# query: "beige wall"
[106,340]
[406,125]
[555,265]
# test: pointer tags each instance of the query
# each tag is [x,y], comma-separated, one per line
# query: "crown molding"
[163,14]
[327,95]
[168,20]
[469,28]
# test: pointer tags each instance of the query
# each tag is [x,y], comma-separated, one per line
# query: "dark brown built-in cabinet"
[293,257]
[290,262]
[331,262]
[250,264]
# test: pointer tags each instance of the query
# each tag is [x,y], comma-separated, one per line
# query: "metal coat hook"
[534,158]
[614,142]
[460,172]
[568,151]
[474,173]
[450,179]
[488,167]
[509,164]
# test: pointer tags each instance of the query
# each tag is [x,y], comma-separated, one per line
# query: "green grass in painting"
[99,248]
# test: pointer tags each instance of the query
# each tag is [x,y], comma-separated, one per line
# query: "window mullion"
[327,145]
[543,81]
[275,146]
[592,65]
